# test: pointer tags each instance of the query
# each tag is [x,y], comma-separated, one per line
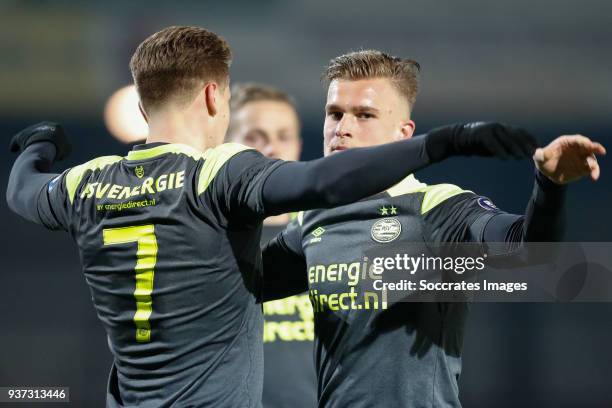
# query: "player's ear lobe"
[142,112]
[407,129]
[210,97]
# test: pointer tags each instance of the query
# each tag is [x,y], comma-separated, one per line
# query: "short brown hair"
[246,92]
[365,64]
[173,62]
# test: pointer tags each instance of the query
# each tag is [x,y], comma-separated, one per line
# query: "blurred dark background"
[544,65]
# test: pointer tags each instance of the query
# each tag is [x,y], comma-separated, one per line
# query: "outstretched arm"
[357,173]
[566,159]
[285,270]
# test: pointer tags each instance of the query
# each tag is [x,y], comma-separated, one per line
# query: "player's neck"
[172,128]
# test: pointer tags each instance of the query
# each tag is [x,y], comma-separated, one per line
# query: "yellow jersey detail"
[289,319]
[408,185]
[214,159]
[146,258]
[149,185]
[436,194]
[75,174]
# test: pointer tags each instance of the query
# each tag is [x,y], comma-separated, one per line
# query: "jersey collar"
[151,150]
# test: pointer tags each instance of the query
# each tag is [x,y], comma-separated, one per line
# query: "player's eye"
[365,115]
[255,137]
[334,115]
[251,138]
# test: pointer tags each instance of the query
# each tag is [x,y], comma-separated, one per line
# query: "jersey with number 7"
[167,242]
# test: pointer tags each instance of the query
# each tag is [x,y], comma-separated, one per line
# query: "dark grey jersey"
[169,243]
[367,353]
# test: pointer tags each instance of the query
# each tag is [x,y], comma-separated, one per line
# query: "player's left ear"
[142,112]
[407,129]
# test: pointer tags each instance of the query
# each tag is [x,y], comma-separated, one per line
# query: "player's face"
[272,127]
[364,113]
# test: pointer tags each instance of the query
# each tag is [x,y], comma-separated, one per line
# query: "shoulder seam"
[214,159]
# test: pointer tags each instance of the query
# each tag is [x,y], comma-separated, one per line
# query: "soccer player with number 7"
[169,234]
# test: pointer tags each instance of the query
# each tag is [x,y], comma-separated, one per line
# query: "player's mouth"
[338,148]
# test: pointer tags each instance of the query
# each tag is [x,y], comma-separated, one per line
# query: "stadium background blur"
[543,65]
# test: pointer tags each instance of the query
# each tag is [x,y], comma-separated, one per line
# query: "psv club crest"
[386,230]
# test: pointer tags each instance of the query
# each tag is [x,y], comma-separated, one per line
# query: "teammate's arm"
[284,264]
[357,173]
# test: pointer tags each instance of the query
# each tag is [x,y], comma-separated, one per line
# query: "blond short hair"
[367,64]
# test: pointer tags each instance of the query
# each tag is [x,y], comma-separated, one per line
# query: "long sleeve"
[31,186]
[284,264]
[341,178]
[544,219]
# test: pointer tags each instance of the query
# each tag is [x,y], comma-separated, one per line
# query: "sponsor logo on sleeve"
[317,235]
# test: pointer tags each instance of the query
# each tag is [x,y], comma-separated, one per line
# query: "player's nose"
[270,151]
[344,127]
